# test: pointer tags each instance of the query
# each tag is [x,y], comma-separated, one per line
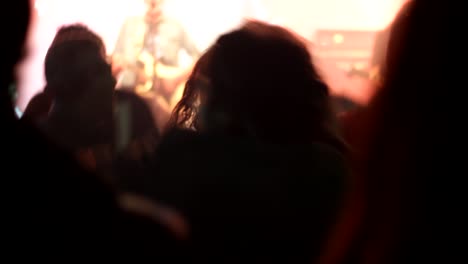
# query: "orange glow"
[204,20]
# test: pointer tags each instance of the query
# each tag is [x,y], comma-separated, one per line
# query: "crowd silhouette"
[254,165]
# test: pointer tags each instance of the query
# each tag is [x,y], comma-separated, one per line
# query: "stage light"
[338,38]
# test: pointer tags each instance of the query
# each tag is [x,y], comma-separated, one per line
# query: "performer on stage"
[146,56]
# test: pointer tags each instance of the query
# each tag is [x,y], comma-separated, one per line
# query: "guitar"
[171,81]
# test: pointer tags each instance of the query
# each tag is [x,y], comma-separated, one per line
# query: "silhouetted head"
[408,129]
[76,69]
[38,107]
[135,117]
[16,17]
[257,81]
[417,65]
[407,132]
[75,32]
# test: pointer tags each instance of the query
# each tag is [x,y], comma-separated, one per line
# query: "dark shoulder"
[178,138]
[186,141]
[59,171]
[327,151]
[328,159]
[44,181]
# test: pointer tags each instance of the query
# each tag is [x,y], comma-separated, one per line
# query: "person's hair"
[74,60]
[403,129]
[78,32]
[257,81]
[402,148]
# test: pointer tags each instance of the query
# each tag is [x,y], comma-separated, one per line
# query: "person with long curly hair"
[251,157]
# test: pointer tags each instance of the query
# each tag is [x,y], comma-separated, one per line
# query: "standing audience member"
[137,136]
[81,85]
[55,204]
[400,144]
[53,208]
[252,159]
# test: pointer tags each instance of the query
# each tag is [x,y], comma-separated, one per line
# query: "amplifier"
[348,50]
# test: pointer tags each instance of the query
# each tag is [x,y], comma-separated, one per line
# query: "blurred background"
[341,32]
